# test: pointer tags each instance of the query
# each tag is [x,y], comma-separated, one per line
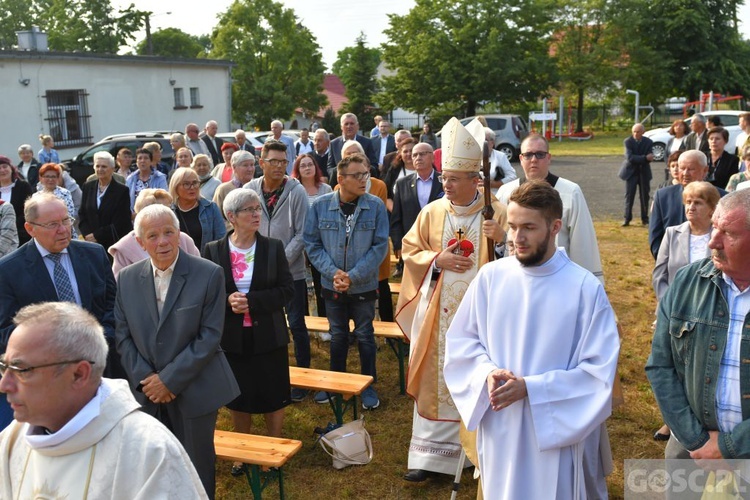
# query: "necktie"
[62,280]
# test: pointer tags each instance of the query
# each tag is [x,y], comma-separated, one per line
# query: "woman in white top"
[685,244]
[203,166]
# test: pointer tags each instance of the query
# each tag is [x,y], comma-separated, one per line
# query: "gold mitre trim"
[462,146]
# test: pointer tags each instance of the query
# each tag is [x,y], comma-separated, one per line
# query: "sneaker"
[370,399]
[324,336]
[298,394]
[322,397]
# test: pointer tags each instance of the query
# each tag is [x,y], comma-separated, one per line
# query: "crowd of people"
[172,286]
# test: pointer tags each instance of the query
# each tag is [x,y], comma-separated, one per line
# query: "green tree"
[279,64]
[88,25]
[587,52]
[357,67]
[330,122]
[700,46]
[468,52]
[172,42]
[15,15]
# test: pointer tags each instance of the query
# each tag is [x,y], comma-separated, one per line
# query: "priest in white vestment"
[442,253]
[76,434]
[530,358]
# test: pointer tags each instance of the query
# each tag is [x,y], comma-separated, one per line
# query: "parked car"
[730,120]
[82,165]
[229,137]
[510,130]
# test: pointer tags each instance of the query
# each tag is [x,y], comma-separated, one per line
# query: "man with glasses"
[277,135]
[194,142]
[285,205]
[77,434]
[349,132]
[578,238]
[442,253]
[52,267]
[577,234]
[346,238]
[412,194]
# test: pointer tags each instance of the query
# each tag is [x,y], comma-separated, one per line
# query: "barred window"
[68,117]
[179,98]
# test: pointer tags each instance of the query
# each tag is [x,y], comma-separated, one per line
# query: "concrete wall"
[125,94]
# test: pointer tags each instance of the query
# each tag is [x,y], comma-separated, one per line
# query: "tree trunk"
[471,107]
[579,117]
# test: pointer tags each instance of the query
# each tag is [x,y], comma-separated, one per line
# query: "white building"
[79,98]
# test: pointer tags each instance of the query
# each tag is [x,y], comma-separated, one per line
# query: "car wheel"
[659,149]
[507,150]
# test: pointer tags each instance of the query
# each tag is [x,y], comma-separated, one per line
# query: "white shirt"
[162,279]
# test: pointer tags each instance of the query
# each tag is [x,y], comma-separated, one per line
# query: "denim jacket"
[360,255]
[689,341]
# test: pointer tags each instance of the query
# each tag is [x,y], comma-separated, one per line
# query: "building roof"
[334,89]
[31,55]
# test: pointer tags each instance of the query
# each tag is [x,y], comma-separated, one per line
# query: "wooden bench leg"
[259,480]
[339,406]
[401,350]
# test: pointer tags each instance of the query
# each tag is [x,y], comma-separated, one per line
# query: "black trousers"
[640,182]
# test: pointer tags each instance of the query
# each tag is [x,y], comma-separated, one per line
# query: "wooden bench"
[342,388]
[395,288]
[385,329]
[257,451]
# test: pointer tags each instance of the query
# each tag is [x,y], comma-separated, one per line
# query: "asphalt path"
[597,176]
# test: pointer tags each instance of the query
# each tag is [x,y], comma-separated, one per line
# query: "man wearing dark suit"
[170,315]
[242,143]
[698,138]
[349,131]
[636,172]
[82,273]
[668,209]
[383,143]
[104,218]
[412,193]
[213,143]
[321,143]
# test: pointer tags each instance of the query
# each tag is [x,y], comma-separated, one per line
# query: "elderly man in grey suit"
[169,318]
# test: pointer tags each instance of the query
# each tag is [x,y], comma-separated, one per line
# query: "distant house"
[334,90]
[78,98]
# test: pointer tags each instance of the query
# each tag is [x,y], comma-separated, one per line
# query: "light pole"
[149,41]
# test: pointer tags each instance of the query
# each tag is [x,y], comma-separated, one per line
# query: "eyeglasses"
[360,176]
[539,155]
[418,154]
[450,180]
[51,177]
[307,165]
[190,185]
[252,210]
[54,226]
[276,163]
[23,373]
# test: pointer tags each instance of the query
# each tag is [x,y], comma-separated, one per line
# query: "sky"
[335,23]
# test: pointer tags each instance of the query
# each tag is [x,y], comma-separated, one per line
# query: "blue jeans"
[362,313]
[295,315]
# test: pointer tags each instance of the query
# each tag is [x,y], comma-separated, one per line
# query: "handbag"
[349,444]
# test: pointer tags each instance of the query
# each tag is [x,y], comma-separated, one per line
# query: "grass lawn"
[309,475]
[602,144]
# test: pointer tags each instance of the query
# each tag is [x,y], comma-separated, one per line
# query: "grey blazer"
[183,344]
[674,254]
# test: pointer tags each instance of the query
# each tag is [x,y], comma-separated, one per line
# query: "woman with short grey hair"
[255,338]
[28,168]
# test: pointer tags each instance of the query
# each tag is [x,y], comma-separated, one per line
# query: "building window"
[179,98]
[68,117]
[195,97]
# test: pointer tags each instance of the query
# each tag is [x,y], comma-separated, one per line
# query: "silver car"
[730,120]
[509,130]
